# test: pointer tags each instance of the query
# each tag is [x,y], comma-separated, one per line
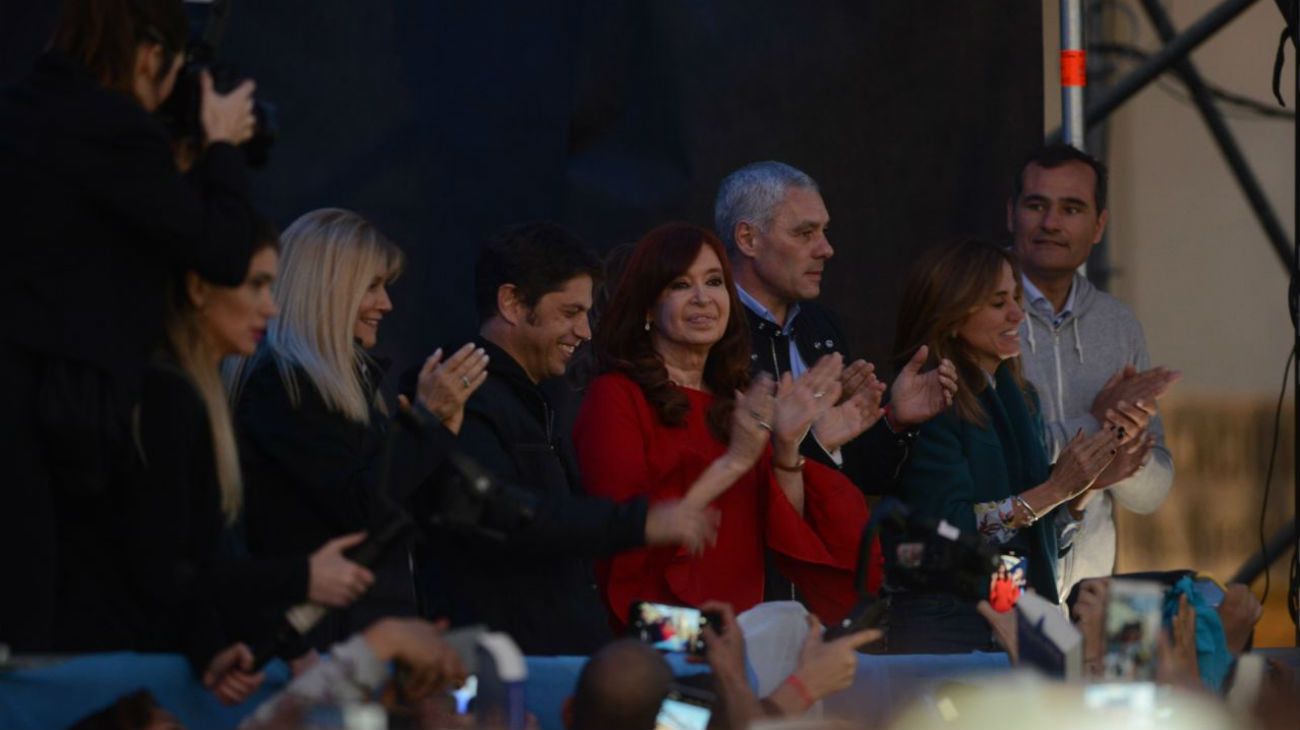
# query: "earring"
[647,325]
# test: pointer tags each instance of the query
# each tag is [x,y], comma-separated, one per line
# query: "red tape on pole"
[1074,65]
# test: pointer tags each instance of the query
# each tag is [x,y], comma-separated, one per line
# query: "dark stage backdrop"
[443,121]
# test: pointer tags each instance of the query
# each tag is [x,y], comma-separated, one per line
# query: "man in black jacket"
[773,220]
[533,291]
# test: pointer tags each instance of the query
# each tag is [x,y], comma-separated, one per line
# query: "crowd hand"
[802,400]
[444,387]
[852,416]
[417,646]
[1004,627]
[332,579]
[1132,457]
[1131,419]
[725,644]
[826,667]
[1083,460]
[1089,617]
[1130,387]
[1239,612]
[682,523]
[751,423]
[226,117]
[230,675]
[1176,662]
[916,397]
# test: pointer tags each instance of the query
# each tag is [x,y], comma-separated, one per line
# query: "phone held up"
[671,628]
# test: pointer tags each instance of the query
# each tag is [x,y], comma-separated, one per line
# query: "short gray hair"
[751,194]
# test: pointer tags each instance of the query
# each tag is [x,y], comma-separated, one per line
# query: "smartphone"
[1132,629]
[1008,581]
[685,708]
[671,628]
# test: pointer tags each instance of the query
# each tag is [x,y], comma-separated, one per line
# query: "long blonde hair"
[185,337]
[329,258]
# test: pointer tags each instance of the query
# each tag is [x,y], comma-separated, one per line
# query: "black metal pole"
[1223,136]
[1196,34]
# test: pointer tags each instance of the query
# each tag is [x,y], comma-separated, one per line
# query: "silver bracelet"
[1033,516]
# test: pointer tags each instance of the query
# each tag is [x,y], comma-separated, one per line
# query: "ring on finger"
[819,394]
[464,381]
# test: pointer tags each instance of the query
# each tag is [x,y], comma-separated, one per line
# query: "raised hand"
[1082,461]
[841,424]
[1132,456]
[751,422]
[416,645]
[801,401]
[444,387]
[1090,618]
[916,397]
[1133,389]
[682,523]
[226,117]
[856,376]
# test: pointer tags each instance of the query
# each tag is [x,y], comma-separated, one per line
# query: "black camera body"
[180,113]
[931,556]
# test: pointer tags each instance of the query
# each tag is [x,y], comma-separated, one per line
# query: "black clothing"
[538,586]
[311,475]
[142,567]
[97,219]
[872,460]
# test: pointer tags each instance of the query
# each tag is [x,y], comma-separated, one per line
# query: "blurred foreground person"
[97,219]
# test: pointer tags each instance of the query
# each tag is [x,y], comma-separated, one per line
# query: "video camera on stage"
[922,555]
[180,113]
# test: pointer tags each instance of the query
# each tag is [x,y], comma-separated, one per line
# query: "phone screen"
[681,711]
[1008,581]
[668,628]
[1132,629]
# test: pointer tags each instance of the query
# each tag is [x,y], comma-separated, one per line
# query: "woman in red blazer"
[675,416]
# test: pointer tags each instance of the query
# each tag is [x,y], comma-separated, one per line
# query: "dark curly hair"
[623,345]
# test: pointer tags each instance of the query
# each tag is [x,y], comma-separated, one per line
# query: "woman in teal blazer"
[982,465]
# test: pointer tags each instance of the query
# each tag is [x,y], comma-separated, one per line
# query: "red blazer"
[624,452]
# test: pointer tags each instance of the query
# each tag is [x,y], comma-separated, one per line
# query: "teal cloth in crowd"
[1212,655]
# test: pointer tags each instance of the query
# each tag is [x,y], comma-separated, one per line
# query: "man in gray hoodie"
[1084,350]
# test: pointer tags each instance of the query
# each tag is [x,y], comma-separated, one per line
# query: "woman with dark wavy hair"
[675,416]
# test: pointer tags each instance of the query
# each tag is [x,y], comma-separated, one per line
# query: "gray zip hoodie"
[1068,364]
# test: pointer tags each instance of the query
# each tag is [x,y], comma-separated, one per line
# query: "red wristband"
[794,681]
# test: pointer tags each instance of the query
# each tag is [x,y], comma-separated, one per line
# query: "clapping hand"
[751,422]
[801,401]
[854,414]
[444,387]
[916,397]
[1083,460]
[1128,399]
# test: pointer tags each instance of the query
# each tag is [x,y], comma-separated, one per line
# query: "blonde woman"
[311,420]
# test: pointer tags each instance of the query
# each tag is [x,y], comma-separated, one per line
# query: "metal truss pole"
[1223,136]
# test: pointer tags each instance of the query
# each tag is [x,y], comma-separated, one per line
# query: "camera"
[180,113]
